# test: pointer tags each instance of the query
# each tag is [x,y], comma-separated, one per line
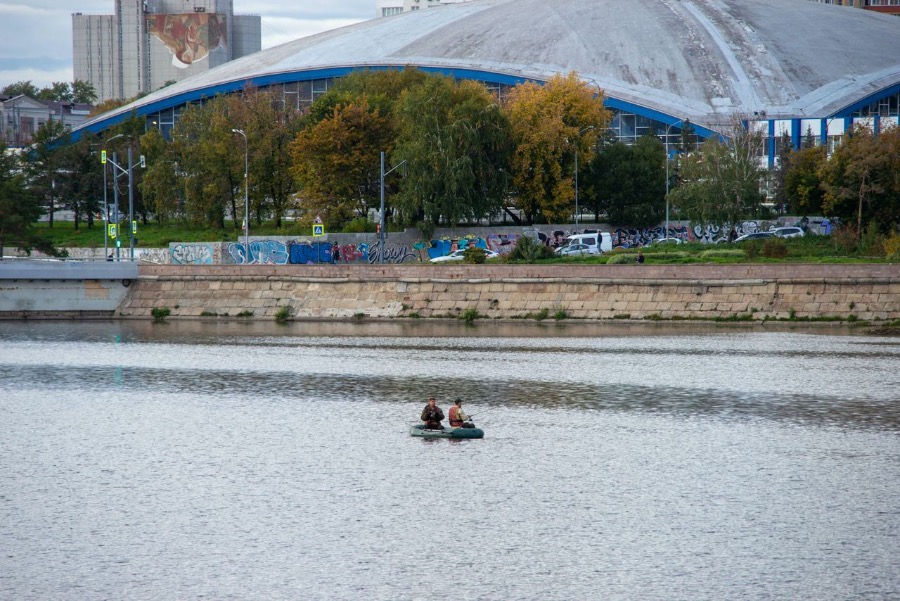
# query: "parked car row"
[459,255]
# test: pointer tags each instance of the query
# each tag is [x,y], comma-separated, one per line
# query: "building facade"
[147,44]
[890,7]
[386,8]
[21,116]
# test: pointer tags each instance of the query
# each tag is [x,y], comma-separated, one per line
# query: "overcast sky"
[36,35]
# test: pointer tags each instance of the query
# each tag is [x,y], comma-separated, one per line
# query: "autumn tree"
[336,162]
[548,123]
[456,143]
[861,181]
[720,182]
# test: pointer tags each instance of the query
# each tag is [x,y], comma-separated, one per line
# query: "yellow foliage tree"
[550,123]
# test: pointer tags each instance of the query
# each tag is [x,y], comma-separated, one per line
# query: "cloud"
[36,35]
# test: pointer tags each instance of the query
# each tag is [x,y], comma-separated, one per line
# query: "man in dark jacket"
[432,415]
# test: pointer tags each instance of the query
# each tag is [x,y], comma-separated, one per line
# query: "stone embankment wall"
[867,292]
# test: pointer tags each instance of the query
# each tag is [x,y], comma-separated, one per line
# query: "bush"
[474,255]
[621,259]
[775,248]
[159,313]
[529,249]
[360,225]
[892,247]
[469,315]
[282,314]
[751,248]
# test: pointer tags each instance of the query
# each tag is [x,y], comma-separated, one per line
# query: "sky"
[36,35]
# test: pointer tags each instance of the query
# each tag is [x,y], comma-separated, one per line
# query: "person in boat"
[432,415]
[458,417]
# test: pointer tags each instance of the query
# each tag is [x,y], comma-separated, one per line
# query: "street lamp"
[584,129]
[671,125]
[115,197]
[381,220]
[246,195]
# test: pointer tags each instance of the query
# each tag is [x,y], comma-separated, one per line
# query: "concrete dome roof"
[701,59]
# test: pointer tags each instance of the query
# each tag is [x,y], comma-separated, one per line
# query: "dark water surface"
[252,461]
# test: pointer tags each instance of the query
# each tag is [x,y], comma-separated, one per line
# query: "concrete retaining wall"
[869,292]
[63,287]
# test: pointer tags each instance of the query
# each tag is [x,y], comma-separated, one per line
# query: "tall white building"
[148,43]
[386,8]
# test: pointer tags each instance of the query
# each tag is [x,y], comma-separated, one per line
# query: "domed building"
[779,64]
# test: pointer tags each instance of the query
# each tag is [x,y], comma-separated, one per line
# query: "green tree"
[20,208]
[20,88]
[59,91]
[456,143]
[803,190]
[546,122]
[83,92]
[861,180]
[83,182]
[720,182]
[45,162]
[270,131]
[629,182]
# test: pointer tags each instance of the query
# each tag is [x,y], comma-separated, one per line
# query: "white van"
[598,242]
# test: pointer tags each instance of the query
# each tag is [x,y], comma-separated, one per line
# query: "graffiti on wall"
[192,254]
[261,252]
[154,255]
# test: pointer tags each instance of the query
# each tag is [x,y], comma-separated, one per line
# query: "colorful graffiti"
[261,252]
[192,254]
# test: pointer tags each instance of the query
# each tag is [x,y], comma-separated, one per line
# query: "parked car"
[668,241]
[755,236]
[459,255]
[600,242]
[789,232]
[576,249]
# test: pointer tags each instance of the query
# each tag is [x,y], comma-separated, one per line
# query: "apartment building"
[149,43]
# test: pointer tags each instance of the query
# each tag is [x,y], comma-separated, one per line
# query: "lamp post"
[381,234]
[115,198]
[584,129]
[246,194]
[671,125]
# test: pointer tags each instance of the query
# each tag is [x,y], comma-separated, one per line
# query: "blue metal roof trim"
[847,111]
[335,72]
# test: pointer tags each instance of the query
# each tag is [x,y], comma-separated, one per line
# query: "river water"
[256,461]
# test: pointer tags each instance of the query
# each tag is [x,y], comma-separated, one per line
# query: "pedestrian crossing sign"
[318,230]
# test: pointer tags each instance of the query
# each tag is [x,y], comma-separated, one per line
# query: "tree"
[861,179]
[336,162]
[270,131]
[803,190]
[456,143]
[19,209]
[629,182]
[82,187]
[83,92]
[58,91]
[546,122]
[45,160]
[720,183]
[25,88]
